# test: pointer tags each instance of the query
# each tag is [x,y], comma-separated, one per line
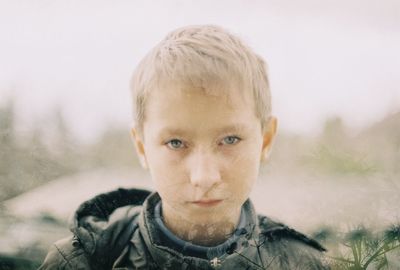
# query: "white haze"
[325,57]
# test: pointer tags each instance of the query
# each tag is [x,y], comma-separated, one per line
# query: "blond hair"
[205,57]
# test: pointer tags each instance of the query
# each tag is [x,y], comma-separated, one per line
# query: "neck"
[207,232]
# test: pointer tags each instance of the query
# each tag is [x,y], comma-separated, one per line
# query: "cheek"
[166,172]
[160,160]
[243,169]
[245,158]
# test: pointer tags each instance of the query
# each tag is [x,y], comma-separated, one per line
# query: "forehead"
[179,108]
[228,93]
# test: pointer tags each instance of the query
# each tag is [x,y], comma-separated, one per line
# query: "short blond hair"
[203,56]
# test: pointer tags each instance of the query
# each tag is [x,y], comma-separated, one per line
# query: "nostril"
[205,179]
[204,170]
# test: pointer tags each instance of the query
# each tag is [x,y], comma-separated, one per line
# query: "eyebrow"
[233,128]
[224,129]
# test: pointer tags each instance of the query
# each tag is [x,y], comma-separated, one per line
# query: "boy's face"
[203,151]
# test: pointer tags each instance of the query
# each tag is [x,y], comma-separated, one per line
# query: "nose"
[204,170]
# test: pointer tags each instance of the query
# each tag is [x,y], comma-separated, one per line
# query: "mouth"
[207,203]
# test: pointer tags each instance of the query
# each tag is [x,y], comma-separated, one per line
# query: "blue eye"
[230,140]
[175,144]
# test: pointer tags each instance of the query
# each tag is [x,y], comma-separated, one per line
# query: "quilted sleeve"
[66,254]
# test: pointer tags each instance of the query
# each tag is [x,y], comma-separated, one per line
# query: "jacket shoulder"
[97,248]
[294,249]
[66,254]
[274,231]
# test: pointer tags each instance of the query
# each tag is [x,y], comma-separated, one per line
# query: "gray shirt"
[190,249]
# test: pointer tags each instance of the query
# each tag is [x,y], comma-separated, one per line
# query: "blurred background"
[65,110]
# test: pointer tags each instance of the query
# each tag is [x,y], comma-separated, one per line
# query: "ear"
[269,133]
[137,140]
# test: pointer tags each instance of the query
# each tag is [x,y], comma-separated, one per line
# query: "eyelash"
[168,144]
[236,140]
[183,145]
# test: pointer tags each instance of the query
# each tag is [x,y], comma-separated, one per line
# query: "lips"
[207,203]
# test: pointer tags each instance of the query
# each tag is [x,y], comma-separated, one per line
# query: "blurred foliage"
[361,248]
[29,163]
[336,152]
[335,161]
[49,151]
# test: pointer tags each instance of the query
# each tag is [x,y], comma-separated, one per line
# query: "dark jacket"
[116,230]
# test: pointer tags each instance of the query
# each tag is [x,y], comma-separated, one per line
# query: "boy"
[202,125]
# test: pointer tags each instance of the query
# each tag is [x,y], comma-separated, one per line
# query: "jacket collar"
[104,224]
[172,259]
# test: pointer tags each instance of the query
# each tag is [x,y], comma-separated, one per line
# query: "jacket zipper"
[215,263]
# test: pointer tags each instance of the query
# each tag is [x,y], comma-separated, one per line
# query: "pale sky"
[325,57]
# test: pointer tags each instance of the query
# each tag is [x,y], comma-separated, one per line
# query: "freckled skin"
[202,157]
